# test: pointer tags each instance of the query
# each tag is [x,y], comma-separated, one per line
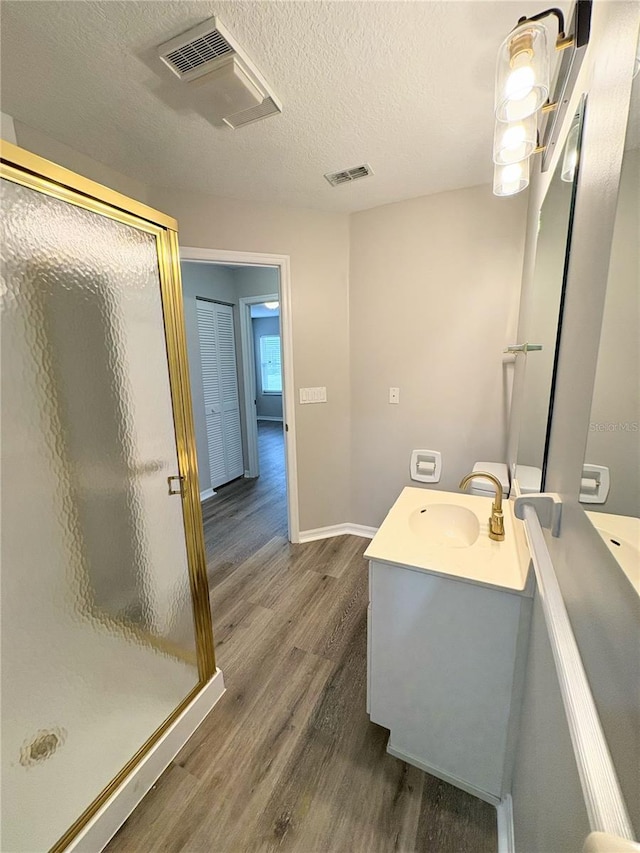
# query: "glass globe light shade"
[511,179]
[514,141]
[522,73]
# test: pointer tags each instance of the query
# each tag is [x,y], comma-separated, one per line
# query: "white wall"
[435,285]
[318,245]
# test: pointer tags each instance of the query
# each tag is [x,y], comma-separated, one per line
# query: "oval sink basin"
[445,525]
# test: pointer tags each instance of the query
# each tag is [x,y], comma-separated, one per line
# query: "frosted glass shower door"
[98,639]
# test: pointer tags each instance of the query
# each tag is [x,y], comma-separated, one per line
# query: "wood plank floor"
[288,760]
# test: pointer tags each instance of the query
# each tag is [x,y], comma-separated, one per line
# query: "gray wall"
[616,396]
[435,287]
[43,145]
[456,255]
[603,608]
[256,281]
[318,247]
[549,810]
[267,405]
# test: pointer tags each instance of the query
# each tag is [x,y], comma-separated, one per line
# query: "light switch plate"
[313,395]
[394,395]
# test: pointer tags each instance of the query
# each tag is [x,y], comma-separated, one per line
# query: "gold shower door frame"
[29,170]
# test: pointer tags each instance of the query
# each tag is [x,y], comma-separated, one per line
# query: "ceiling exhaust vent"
[198,51]
[347,176]
[236,91]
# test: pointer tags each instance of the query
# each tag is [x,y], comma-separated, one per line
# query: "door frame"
[282,264]
[250,380]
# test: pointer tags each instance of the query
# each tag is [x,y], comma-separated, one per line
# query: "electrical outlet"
[394,395]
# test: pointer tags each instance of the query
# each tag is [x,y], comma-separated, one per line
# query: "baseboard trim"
[441,774]
[506,836]
[208,493]
[108,820]
[337,530]
[268,418]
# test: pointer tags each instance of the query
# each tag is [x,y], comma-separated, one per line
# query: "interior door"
[220,387]
[101,565]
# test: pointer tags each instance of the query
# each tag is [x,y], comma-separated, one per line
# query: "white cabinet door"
[220,387]
[442,658]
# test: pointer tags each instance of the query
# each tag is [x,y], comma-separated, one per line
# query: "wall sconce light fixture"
[523,83]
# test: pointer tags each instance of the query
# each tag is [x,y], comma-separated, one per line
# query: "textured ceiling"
[404,86]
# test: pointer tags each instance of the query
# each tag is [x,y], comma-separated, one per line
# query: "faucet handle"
[496,525]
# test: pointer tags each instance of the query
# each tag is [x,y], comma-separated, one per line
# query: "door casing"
[282,264]
[249,376]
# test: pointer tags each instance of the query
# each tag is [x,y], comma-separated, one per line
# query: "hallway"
[288,760]
[245,514]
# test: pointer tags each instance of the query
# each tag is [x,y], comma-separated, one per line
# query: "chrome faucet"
[496,522]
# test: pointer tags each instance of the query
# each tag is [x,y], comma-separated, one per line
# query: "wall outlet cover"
[313,395]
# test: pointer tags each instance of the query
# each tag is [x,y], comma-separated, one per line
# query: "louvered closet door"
[220,386]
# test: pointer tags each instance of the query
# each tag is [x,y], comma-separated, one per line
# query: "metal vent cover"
[208,49]
[347,176]
[267,108]
[198,51]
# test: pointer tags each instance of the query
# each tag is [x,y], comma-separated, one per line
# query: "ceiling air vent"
[347,176]
[233,88]
[198,51]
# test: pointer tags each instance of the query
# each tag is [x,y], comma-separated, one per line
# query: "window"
[270,364]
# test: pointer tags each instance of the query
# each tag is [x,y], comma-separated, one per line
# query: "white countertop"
[621,534]
[500,565]
[602,842]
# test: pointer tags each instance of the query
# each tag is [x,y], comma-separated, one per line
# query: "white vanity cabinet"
[445,663]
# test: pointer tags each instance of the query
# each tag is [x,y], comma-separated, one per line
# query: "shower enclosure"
[106,629]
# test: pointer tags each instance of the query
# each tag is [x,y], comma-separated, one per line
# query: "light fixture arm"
[553,11]
[562,41]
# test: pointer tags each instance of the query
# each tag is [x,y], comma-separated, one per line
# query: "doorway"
[264,483]
[261,337]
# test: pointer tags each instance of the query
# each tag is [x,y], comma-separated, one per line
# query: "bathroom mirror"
[544,315]
[610,486]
